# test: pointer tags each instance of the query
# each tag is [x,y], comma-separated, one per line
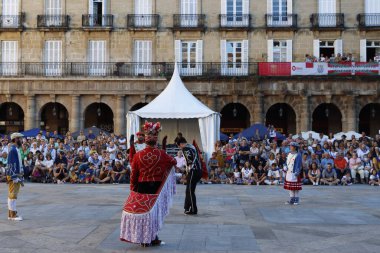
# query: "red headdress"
[151,131]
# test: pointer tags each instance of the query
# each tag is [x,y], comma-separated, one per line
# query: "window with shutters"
[53,10]
[9,57]
[189,12]
[188,55]
[372,9]
[280,51]
[97,57]
[189,50]
[143,57]
[235,58]
[235,13]
[10,13]
[372,51]
[98,11]
[53,57]
[143,13]
[280,10]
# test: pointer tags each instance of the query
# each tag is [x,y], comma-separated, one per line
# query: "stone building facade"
[67,65]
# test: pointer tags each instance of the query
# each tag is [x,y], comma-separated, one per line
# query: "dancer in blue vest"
[15,176]
[293,174]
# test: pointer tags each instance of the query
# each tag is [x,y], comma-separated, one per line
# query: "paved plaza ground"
[85,218]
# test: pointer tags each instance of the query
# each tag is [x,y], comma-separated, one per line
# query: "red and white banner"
[319,69]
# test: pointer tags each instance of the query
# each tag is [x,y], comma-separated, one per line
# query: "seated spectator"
[183,179]
[90,174]
[244,152]
[314,174]
[273,176]
[329,176]
[213,162]
[118,172]
[340,164]
[61,174]
[247,174]
[181,162]
[73,177]
[346,179]
[105,173]
[39,170]
[178,175]
[374,178]
[259,175]
[367,165]
[237,177]
[3,177]
[82,177]
[355,165]
[28,165]
[223,178]
[213,178]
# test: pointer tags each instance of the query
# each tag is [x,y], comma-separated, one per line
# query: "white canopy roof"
[175,102]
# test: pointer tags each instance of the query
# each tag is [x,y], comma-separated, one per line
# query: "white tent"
[179,111]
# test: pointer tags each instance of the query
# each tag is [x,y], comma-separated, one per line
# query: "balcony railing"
[12,22]
[235,21]
[143,21]
[53,21]
[327,20]
[97,21]
[189,22]
[369,20]
[123,69]
[277,21]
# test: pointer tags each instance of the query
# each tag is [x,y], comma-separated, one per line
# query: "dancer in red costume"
[150,168]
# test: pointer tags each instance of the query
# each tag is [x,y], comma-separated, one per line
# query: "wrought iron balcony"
[368,21]
[189,22]
[97,21]
[12,22]
[148,21]
[281,22]
[327,21]
[53,21]
[235,21]
[127,69]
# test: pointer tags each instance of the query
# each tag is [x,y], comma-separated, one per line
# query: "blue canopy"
[95,131]
[261,128]
[33,132]
[224,137]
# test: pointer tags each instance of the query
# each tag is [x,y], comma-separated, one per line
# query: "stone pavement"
[85,218]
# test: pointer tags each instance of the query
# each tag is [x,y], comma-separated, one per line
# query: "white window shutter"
[10,7]
[245,50]
[270,50]
[316,51]
[290,7]
[105,7]
[363,50]
[223,10]
[90,7]
[178,51]
[199,56]
[289,50]
[223,53]
[338,45]
[245,6]
[372,6]
[269,6]
[53,7]
[9,51]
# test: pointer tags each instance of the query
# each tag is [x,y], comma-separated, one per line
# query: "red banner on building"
[274,68]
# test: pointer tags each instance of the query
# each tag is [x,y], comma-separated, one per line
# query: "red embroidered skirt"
[293,186]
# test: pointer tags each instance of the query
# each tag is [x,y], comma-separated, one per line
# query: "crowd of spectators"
[339,58]
[104,159]
[325,161]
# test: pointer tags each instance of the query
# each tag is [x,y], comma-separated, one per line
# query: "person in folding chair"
[151,184]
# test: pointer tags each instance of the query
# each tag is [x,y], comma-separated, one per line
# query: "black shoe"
[190,213]
[145,245]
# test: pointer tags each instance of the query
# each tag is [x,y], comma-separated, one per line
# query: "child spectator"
[82,177]
[259,175]
[237,177]
[223,178]
[2,173]
[90,174]
[73,177]
[273,176]
[178,175]
[213,178]
[346,179]
[247,174]
[374,178]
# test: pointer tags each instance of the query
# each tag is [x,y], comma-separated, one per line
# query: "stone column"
[30,116]
[75,114]
[120,116]
[351,122]
[304,117]
[258,109]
